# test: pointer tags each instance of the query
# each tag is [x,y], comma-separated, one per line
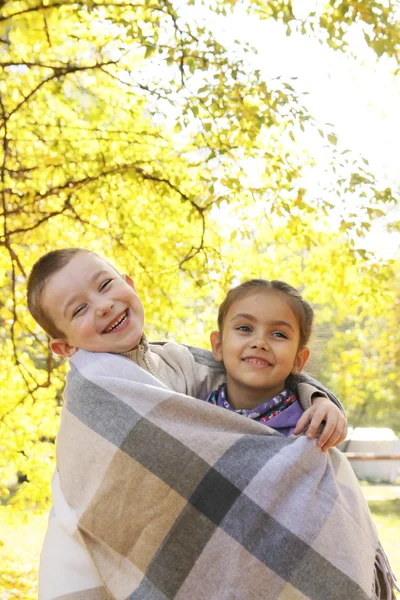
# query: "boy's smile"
[95,308]
[118,323]
[259,345]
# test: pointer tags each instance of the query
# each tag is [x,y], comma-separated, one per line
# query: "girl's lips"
[256,361]
[123,319]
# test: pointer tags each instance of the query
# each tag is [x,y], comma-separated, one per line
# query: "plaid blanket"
[158,496]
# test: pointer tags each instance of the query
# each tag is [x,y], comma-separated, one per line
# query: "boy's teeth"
[117,323]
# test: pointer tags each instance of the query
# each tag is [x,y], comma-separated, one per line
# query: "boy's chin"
[113,351]
[122,348]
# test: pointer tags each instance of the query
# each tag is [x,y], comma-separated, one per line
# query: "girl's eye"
[245,328]
[280,334]
[78,310]
[105,284]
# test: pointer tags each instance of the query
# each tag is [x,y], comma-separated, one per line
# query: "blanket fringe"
[384,582]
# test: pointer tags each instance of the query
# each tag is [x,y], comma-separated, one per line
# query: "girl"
[263,331]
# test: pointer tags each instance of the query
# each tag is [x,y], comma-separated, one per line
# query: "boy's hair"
[42,270]
[300,307]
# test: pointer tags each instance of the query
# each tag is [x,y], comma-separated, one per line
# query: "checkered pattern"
[158,496]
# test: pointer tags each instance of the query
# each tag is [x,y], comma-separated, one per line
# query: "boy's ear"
[62,348]
[129,281]
[300,361]
[216,344]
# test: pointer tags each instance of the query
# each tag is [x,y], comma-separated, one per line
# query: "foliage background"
[137,131]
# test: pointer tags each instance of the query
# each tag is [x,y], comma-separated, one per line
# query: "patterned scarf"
[263,412]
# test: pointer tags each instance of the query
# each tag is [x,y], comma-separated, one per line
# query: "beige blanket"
[158,496]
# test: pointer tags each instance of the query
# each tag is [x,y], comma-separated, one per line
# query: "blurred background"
[196,144]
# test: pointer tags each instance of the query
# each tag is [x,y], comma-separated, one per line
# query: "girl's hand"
[335,430]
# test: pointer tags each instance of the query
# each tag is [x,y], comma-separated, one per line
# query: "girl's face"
[259,346]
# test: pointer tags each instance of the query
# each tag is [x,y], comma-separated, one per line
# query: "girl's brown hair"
[301,308]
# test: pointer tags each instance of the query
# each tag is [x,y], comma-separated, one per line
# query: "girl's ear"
[129,281]
[62,348]
[216,345]
[300,361]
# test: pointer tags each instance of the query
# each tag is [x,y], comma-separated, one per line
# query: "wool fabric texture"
[158,496]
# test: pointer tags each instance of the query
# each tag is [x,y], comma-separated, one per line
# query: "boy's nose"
[104,306]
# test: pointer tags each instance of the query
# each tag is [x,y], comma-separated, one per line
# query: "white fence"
[374,453]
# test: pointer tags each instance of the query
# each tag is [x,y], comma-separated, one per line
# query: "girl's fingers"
[315,422]
[302,422]
[332,441]
[337,436]
[335,428]
[328,431]
[342,435]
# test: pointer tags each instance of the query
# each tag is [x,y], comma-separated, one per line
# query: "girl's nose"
[260,342]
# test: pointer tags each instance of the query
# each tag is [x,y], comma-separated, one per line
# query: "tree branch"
[58,72]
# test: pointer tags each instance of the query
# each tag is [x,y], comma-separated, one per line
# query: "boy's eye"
[245,328]
[105,284]
[78,310]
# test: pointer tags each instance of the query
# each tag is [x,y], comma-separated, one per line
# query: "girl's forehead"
[263,304]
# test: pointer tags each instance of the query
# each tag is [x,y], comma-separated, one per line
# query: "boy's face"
[95,308]
[259,346]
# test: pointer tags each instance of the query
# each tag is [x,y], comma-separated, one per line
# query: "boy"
[82,302]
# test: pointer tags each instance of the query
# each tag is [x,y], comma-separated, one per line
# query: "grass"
[21,539]
[386,514]
[22,536]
